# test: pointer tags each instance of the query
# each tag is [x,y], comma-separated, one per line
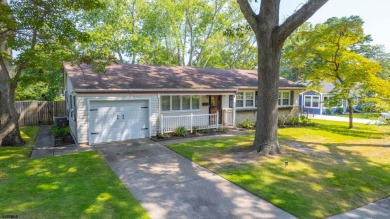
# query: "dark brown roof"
[127,76]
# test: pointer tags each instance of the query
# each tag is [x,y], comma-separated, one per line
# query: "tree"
[270,36]
[32,28]
[333,47]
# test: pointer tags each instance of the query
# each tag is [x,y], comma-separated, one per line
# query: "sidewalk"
[376,210]
[345,119]
[44,145]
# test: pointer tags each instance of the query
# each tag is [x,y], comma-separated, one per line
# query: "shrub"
[304,121]
[246,124]
[220,129]
[195,129]
[60,131]
[181,131]
[339,110]
[163,135]
[328,111]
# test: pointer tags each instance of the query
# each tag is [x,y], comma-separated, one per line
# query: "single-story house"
[139,101]
[313,101]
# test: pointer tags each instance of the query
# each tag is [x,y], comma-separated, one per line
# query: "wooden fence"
[39,112]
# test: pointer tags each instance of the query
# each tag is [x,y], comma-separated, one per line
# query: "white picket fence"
[198,121]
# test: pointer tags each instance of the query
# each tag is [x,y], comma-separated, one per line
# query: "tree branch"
[298,18]
[248,12]
[23,65]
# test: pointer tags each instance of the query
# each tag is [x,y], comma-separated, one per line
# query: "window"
[249,99]
[195,102]
[176,103]
[186,101]
[284,98]
[312,101]
[240,99]
[165,103]
[245,99]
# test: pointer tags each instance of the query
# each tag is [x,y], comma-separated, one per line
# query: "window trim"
[311,101]
[181,103]
[244,99]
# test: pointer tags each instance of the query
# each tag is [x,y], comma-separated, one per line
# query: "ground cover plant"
[326,168]
[69,186]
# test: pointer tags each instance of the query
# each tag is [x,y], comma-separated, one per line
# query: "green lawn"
[330,170]
[373,116]
[70,186]
[29,133]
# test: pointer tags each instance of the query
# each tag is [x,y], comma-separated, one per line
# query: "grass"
[372,116]
[29,133]
[70,186]
[339,170]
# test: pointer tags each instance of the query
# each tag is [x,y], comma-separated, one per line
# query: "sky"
[375,14]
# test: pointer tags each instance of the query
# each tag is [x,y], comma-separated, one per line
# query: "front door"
[215,106]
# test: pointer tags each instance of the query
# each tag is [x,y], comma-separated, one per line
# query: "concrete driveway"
[170,186]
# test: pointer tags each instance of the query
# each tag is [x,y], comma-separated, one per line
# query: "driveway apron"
[170,186]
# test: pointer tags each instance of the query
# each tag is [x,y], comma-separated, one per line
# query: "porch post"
[234,110]
[161,123]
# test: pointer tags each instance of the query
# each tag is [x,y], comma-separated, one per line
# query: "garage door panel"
[118,120]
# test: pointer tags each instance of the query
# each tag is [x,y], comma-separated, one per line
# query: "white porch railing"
[201,121]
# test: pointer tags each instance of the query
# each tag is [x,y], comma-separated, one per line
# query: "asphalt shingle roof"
[127,76]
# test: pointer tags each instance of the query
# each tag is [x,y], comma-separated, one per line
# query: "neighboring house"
[137,101]
[313,101]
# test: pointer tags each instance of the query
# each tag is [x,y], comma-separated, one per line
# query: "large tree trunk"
[266,137]
[9,128]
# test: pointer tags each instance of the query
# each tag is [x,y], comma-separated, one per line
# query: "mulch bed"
[60,141]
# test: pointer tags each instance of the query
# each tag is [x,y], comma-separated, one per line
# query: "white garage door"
[118,120]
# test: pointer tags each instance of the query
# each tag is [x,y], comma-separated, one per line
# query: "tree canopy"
[337,52]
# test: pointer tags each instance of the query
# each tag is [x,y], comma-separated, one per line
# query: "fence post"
[161,123]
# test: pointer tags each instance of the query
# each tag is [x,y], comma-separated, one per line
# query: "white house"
[138,101]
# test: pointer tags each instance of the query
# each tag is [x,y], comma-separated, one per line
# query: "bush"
[246,124]
[328,111]
[181,131]
[60,131]
[163,135]
[304,121]
[339,110]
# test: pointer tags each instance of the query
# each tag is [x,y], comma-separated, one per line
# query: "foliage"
[163,135]
[304,121]
[332,55]
[339,110]
[60,131]
[56,187]
[328,111]
[246,124]
[347,166]
[169,32]
[180,131]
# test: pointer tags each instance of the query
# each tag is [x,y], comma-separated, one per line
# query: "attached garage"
[118,120]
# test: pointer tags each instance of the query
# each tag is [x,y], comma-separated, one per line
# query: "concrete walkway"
[171,186]
[376,210]
[44,145]
[345,119]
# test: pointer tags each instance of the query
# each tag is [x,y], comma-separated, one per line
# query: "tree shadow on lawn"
[312,186]
[359,130]
[78,185]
